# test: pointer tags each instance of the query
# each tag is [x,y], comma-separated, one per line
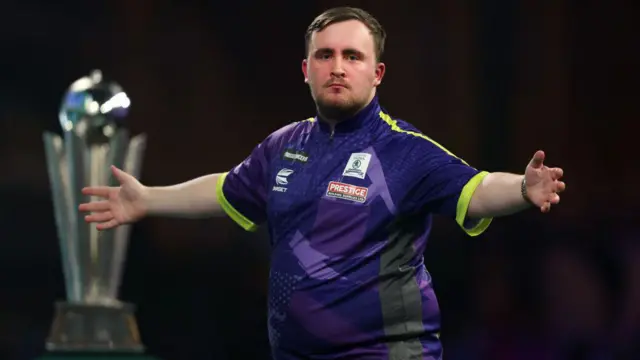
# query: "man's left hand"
[543,183]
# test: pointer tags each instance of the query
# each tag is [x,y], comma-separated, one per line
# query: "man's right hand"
[118,205]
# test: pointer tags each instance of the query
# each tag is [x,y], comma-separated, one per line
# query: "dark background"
[491,80]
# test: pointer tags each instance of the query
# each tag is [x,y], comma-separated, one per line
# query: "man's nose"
[337,70]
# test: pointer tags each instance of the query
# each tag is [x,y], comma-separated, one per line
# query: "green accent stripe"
[229,209]
[394,126]
[463,206]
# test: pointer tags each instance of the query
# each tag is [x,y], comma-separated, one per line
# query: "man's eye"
[353,57]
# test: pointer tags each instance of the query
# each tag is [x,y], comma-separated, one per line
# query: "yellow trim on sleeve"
[463,206]
[234,214]
[467,190]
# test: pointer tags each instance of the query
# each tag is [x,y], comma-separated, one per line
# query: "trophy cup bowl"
[91,318]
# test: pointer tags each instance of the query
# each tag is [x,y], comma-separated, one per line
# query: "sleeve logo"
[347,191]
[357,165]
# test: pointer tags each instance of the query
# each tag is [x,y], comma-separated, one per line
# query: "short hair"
[345,13]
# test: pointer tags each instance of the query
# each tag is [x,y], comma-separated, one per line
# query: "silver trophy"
[92,117]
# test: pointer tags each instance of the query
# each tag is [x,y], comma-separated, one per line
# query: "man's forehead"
[351,34]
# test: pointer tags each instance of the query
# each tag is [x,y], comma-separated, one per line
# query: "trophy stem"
[95,328]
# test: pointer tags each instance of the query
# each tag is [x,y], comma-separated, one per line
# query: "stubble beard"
[336,111]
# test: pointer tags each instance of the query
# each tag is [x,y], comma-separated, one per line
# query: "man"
[348,197]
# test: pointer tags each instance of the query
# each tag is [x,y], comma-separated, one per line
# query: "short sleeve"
[242,191]
[444,184]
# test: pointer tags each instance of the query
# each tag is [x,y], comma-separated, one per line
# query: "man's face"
[341,69]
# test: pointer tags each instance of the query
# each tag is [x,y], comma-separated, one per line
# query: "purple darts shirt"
[349,213]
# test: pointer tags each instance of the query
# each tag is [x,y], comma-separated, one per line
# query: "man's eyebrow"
[323,50]
[351,51]
[348,51]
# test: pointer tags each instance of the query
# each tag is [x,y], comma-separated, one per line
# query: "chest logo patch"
[357,165]
[282,180]
[295,155]
[347,191]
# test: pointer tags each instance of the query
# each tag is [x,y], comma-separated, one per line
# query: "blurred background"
[491,80]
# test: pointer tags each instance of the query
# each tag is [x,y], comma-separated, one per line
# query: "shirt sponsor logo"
[295,155]
[347,191]
[282,179]
[357,165]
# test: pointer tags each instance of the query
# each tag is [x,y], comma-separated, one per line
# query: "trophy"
[91,319]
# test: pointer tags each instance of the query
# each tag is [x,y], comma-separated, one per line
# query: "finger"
[556,173]
[120,175]
[107,225]
[546,207]
[554,199]
[560,186]
[99,217]
[101,191]
[102,205]
[537,160]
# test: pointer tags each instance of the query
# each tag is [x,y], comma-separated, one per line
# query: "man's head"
[343,64]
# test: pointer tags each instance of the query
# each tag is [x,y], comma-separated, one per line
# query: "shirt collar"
[363,118]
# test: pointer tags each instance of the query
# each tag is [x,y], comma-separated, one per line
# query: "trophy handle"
[66,221]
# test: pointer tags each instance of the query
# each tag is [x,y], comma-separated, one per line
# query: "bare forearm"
[499,194]
[192,199]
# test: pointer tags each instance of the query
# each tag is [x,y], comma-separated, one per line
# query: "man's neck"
[333,121]
[346,123]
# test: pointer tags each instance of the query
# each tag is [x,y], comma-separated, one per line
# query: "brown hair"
[340,14]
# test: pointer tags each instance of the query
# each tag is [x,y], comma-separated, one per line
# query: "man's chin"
[337,100]
[337,109]
[335,103]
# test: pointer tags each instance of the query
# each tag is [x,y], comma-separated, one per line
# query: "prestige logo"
[295,155]
[347,191]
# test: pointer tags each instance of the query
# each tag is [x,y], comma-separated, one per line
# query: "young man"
[348,196]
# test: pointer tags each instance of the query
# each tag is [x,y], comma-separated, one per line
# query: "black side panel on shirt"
[399,292]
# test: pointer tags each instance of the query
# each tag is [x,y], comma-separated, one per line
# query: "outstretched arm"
[132,201]
[501,194]
[239,193]
[191,199]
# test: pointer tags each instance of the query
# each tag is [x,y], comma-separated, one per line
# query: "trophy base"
[95,356]
[93,328]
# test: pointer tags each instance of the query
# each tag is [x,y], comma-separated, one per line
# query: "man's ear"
[304,71]
[380,70]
